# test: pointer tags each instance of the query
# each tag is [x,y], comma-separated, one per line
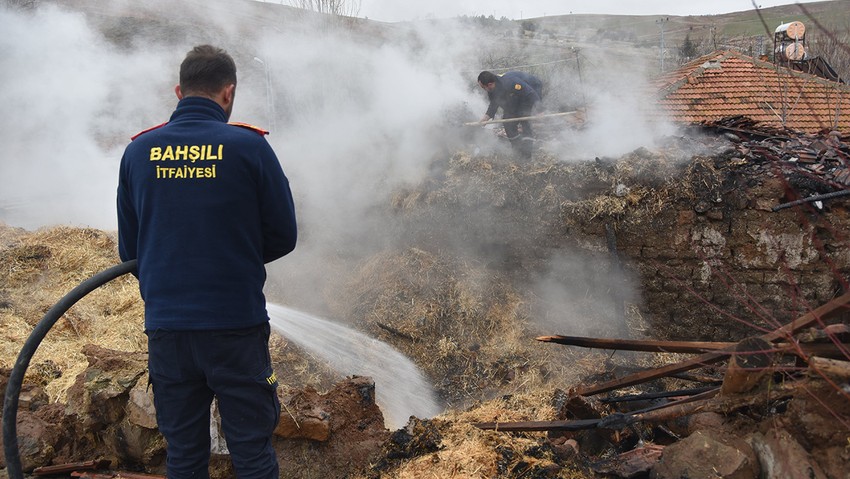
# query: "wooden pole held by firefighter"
[523,118]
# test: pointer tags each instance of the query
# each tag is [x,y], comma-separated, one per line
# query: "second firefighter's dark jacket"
[516,93]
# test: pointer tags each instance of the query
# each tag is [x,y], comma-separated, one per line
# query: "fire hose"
[16,378]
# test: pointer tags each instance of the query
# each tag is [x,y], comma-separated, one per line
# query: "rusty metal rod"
[517,426]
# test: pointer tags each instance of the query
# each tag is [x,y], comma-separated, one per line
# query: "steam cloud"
[70,101]
[352,120]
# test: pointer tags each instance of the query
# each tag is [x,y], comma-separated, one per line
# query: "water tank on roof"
[789,42]
[791,31]
[792,51]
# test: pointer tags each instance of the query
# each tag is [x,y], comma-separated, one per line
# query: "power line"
[518,66]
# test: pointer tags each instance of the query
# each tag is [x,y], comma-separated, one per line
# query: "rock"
[621,190]
[812,416]
[630,463]
[99,395]
[36,440]
[110,411]
[140,409]
[705,421]
[32,397]
[313,424]
[781,456]
[716,215]
[701,207]
[702,456]
[341,430]
[565,449]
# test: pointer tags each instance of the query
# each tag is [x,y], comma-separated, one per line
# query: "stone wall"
[722,271]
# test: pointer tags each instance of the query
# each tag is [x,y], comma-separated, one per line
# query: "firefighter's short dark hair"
[206,70]
[486,77]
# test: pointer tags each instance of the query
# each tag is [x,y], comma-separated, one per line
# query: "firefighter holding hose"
[203,205]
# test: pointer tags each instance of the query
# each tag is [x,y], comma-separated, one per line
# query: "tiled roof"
[726,83]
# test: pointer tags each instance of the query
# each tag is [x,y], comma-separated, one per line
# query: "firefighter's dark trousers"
[189,368]
[519,132]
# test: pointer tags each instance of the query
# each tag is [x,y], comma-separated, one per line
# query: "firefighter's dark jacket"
[515,93]
[203,205]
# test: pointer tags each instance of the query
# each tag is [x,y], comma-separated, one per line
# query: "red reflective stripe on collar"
[257,129]
[149,129]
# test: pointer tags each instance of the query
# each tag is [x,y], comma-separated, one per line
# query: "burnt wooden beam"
[659,395]
[713,357]
[612,421]
[637,344]
[748,367]
[686,347]
[70,467]
[528,426]
[830,367]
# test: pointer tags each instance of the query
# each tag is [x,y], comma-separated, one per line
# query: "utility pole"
[661,22]
[714,36]
[269,93]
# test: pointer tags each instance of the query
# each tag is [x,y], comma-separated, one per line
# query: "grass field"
[833,15]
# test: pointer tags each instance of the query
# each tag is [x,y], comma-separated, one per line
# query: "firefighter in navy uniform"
[203,205]
[516,93]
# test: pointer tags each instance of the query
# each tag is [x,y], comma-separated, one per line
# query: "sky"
[395,10]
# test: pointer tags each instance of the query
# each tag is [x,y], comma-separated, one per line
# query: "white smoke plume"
[354,116]
[70,100]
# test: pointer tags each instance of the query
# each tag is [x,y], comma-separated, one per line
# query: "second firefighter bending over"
[516,93]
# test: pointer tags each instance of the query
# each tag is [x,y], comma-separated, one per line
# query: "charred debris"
[772,405]
[744,395]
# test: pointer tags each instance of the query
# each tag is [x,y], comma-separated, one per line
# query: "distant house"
[726,84]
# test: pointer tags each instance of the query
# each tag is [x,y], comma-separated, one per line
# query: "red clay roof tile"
[727,83]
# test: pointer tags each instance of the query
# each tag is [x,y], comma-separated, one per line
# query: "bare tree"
[20,4]
[343,8]
[832,47]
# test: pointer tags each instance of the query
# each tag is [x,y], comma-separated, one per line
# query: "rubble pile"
[778,407]
[821,162]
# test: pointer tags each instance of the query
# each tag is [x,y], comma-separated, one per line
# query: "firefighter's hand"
[484,119]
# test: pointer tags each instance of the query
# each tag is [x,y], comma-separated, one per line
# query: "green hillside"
[833,15]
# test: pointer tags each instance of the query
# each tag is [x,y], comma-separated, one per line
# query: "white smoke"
[70,101]
[352,120]
[354,116]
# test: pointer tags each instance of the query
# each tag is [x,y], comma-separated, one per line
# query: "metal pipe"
[825,196]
